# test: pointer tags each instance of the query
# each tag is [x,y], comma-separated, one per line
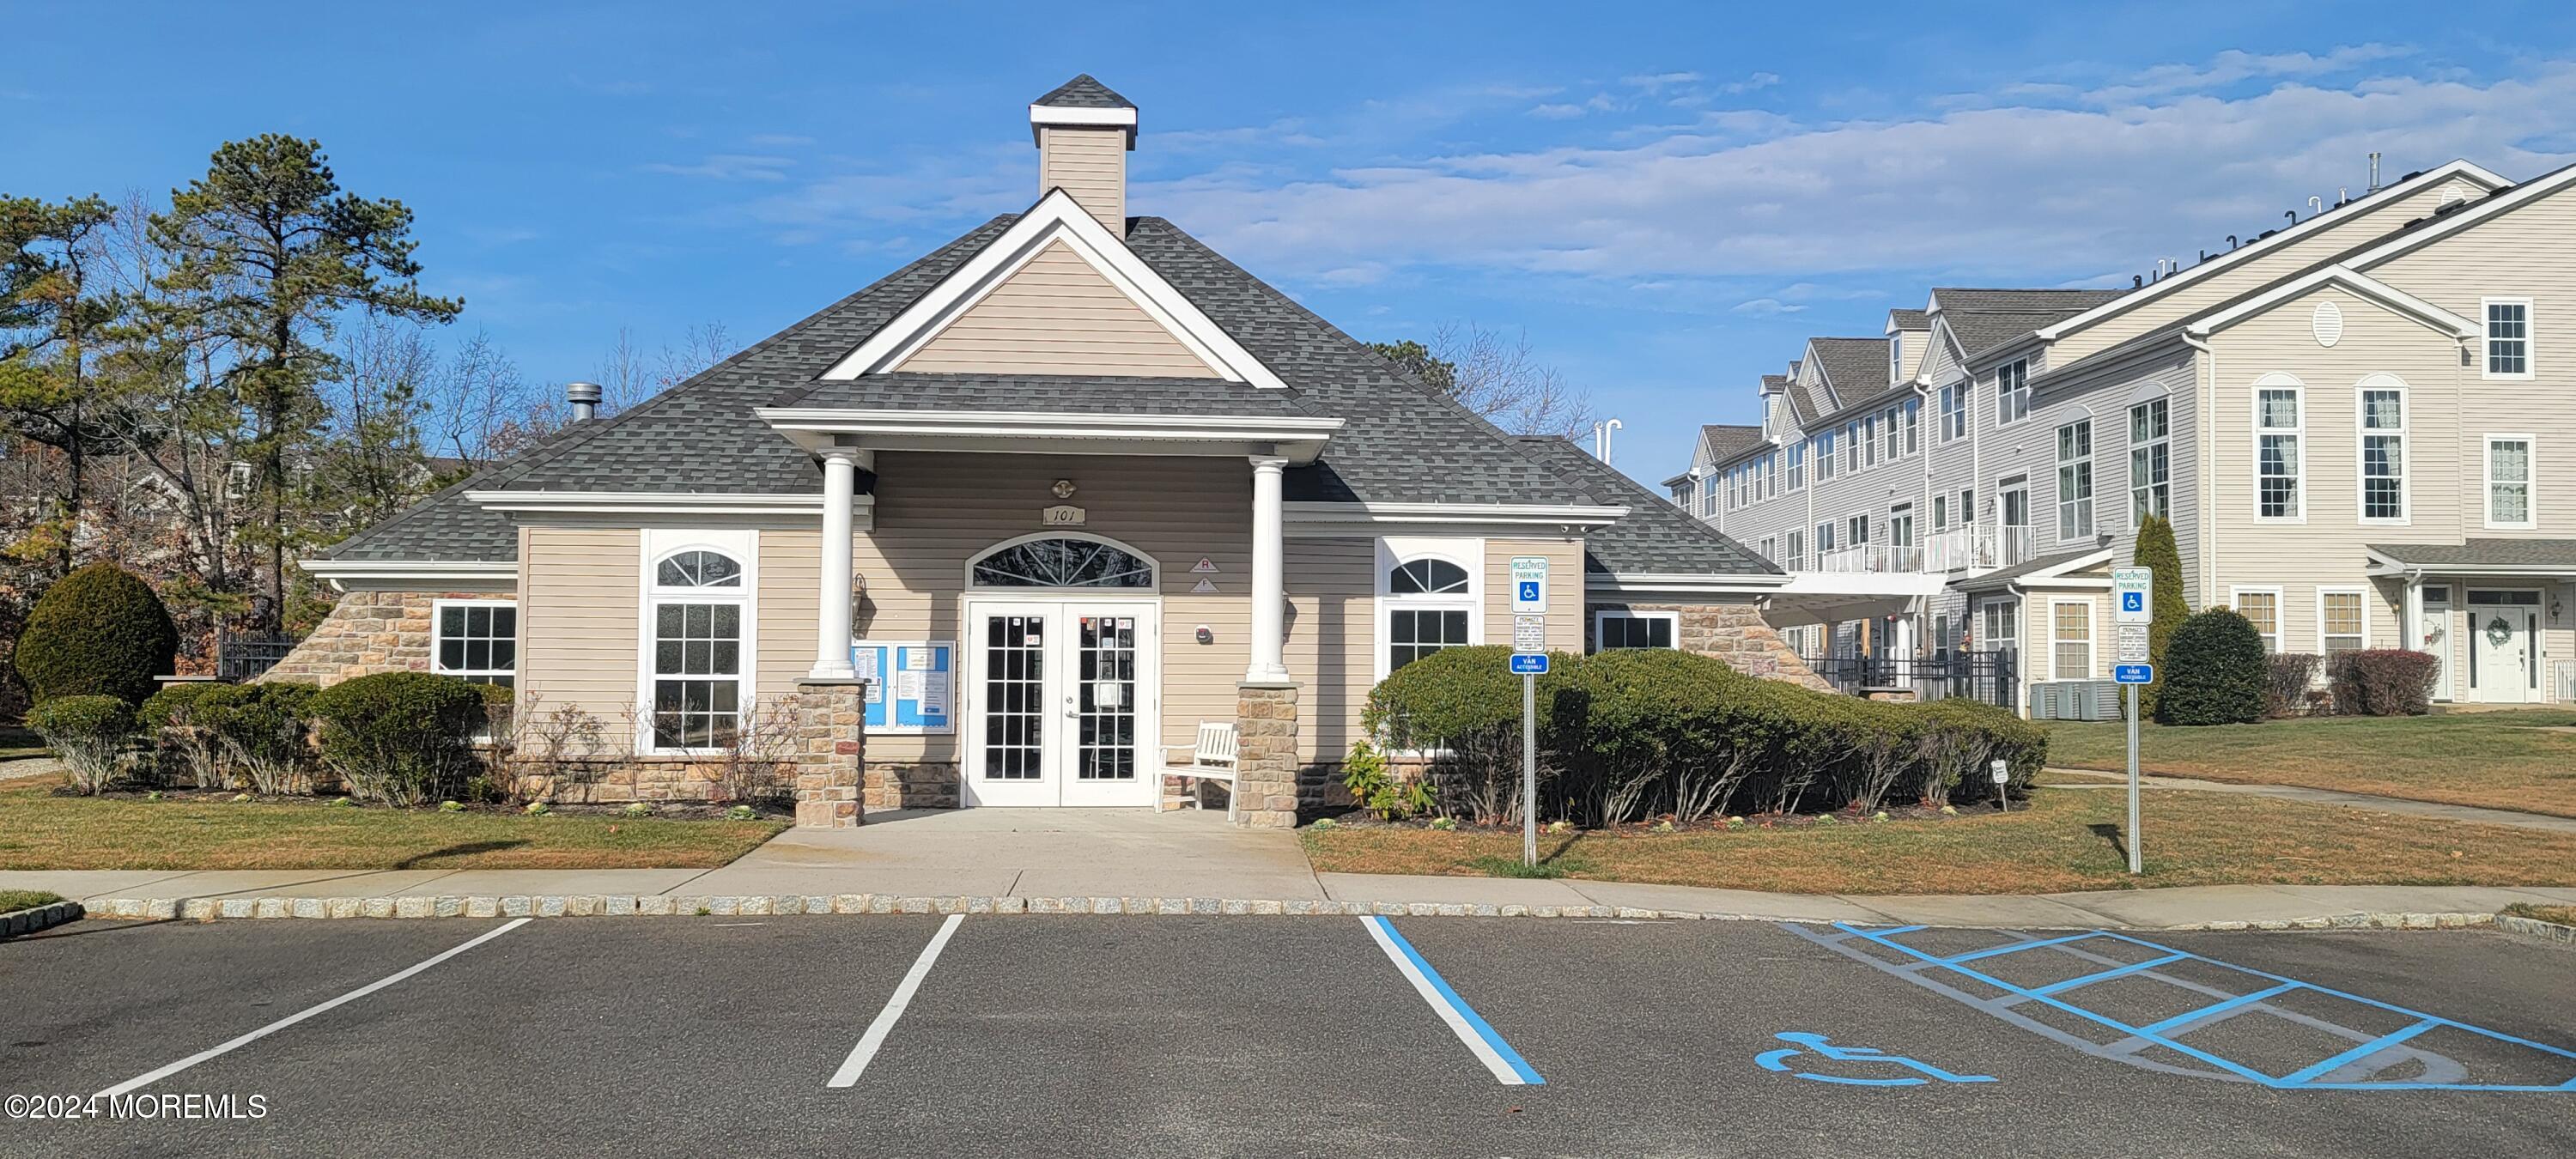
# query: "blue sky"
[1666,199]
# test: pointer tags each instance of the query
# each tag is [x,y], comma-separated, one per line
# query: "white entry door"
[1062,699]
[2503,627]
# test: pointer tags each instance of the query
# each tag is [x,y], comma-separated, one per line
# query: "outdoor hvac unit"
[2075,700]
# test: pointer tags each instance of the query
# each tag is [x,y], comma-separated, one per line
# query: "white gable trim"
[1055,218]
[2474,173]
[2459,219]
[2345,278]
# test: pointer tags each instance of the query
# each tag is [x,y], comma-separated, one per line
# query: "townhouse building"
[2353,423]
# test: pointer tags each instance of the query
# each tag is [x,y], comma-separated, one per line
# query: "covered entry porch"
[2492,611]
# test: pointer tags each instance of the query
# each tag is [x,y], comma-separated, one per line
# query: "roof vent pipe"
[2374,173]
[584,397]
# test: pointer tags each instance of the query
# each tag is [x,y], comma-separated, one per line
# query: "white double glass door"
[1063,699]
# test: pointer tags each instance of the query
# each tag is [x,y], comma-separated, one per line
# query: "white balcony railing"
[1978,548]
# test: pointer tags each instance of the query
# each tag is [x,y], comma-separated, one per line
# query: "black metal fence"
[240,656]
[1986,676]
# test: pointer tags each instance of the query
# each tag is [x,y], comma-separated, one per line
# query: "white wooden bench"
[1212,758]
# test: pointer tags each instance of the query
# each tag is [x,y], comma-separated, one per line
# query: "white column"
[1269,585]
[832,623]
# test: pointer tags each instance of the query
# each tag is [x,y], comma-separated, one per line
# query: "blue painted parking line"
[1507,1065]
[2107,975]
[2213,1011]
[2429,1070]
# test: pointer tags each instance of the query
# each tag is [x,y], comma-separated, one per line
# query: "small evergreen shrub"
[1377,789]
[264,732]
[2384,682]
[97,632]
[89,733]
[1463,704]
[400,737]
[2157,552]
[2286,680]
[169,718]
[2219,673]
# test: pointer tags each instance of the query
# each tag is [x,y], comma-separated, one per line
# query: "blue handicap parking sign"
[2134,673]
[2133,601]
[1529,663]
[1529,590]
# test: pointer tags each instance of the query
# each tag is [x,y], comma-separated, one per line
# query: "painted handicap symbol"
[1778,1061]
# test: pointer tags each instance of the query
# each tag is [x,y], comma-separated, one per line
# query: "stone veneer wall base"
[831,749]
[1266,765]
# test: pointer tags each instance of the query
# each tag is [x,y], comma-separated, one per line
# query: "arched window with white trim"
[698,639]
[1429,598]
[1062,561]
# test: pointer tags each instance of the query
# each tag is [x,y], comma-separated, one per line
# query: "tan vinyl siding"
[2325,546]
[1058,315]
[2221,285]
[1332,632]
[1565,626]
[786,607]
[1090,165]
[578,618]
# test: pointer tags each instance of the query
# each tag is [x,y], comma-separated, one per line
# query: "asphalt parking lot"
[1030,1035]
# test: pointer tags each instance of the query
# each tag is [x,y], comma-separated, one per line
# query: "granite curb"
[28,921]
[2535,928]
[784,905]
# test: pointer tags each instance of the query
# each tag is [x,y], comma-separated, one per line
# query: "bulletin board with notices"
[911,684]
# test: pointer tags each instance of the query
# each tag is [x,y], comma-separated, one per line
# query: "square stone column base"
[831,750]
[1265,772]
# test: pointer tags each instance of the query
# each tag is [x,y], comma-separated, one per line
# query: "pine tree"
[267,253]
[51,391]
[2156,551]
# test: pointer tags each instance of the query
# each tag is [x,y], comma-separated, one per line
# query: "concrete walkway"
[1127,861]
[2470,813]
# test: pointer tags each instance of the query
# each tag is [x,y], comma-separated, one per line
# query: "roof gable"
[1056,222]
[1056,314]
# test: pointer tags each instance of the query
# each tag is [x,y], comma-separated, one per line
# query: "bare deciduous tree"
[1497,376]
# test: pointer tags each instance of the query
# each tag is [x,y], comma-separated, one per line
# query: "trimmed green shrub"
[400,737]
[2218,671]
[1636,733]
[90,734]
[2384,682]
[264,731]
[97,632]
[1464,705]
[169,718]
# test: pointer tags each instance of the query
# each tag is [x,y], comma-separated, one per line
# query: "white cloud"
[2036,194]
[1557,112]
[729,167]
[2235,65]
[1766,307]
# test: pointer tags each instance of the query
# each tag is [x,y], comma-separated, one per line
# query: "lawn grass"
[39,830]
[2067,840]
[2498,760]
[2564,915]
[13,900]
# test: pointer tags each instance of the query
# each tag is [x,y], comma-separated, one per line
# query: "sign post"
[2132,610]
[1529,660]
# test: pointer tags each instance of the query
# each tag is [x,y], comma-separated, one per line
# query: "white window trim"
[2254,419]
[658,544]
[2279,636]
[437,617]
[2530,340]
[2324,590]
[2361,432]
[2092,637]
[2165,440]
[1865,526]
[1468,553]
[1605,615]
[2530,481]
[2024,392]
[2092,482]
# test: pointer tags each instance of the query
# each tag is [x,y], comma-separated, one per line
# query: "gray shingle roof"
[1655,536]
[1082,92]
[1983,320]
[1903,319]
[1404,442]
[2549,553]
[1856,367]
[1996,579]
[1725,439]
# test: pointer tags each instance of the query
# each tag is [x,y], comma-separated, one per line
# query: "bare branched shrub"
[752,764]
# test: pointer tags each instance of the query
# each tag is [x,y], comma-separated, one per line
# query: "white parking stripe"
[1507,1065]
[150,1077]
[894,1007]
